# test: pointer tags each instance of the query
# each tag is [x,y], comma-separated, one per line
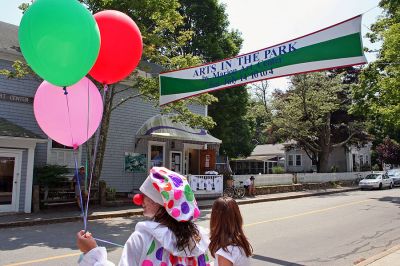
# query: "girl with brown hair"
[229,246]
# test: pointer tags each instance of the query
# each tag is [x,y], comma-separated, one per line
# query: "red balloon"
[120,48]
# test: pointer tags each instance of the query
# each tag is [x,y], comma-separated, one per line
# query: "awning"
[162,126]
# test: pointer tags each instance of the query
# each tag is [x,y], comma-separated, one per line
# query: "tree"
[313,113]
[163,42]
[377,96]
[259,114]
[388,152]
[213,41]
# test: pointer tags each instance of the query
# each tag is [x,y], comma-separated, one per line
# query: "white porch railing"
[206,185]
[267,179]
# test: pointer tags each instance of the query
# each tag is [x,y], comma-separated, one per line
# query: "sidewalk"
[389,257]
[68,214]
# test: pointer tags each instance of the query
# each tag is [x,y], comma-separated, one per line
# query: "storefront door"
[192,158]
[207,161]
[10,165]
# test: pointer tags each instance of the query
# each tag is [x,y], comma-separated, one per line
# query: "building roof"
[269,149]
[9,38]
[8,129]
[273,158]
[150,68]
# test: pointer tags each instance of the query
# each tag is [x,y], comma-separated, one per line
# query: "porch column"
[264,169]
[29,179]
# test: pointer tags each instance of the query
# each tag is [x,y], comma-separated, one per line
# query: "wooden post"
[35,199]
[102,192]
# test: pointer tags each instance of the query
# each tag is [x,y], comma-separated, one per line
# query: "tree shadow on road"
[274,260]
[63,235]
[389,199]
[333,195]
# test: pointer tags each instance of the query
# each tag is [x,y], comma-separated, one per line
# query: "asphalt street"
[337,229]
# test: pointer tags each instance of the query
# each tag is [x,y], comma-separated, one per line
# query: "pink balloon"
[68,119]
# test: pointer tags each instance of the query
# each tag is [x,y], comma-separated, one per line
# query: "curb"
[140,212]
[379,256]
[70,219]
[296,196]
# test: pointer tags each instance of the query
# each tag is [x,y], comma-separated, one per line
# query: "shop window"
[56,145]
[298,159]
[290,160]
[157,155]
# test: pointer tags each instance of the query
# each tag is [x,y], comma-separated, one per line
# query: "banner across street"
[336,46]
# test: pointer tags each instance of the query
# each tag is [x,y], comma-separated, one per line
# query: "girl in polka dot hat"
[169,238]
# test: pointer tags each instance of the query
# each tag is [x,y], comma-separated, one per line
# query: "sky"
[264,23]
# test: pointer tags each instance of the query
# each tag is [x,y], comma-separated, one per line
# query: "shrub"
[365,167]
[376,167]
[278,170]
[111,193]
[50,175]
[334,169]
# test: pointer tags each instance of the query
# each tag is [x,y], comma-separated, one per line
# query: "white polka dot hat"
[172,191]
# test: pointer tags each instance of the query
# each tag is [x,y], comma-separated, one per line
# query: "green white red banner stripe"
[336,46]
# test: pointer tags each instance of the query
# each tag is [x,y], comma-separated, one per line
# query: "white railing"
[287,179]
[266,180]
[206,185]
[327,177]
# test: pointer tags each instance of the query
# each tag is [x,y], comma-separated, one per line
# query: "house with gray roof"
[296,160]
[261,160]
[136,141]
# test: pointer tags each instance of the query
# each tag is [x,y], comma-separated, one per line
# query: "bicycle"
[357,180]
[235,192]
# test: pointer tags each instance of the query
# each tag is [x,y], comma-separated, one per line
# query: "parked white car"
[376,181]
[395,175]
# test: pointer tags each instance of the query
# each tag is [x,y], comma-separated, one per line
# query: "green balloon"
[60,40]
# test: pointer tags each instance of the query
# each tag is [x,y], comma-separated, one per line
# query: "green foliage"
[232,126]
[111,193]
[259,114]
[278,170]
[313,112]
[378,96]
[212,40]
[19,70]
[376,167]
[209,23]
[334,169]
[50,175]
[365,167]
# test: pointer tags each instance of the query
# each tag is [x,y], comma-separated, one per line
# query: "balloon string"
[69,116]
[75,146]
[94,159]
[87,131]
[80,191]
[108,242]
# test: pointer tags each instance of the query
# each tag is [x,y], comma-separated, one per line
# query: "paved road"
[337,229]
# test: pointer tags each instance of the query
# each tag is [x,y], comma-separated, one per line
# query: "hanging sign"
[336,46]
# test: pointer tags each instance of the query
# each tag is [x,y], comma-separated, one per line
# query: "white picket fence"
[287,179]
[266,180]
[327,177]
